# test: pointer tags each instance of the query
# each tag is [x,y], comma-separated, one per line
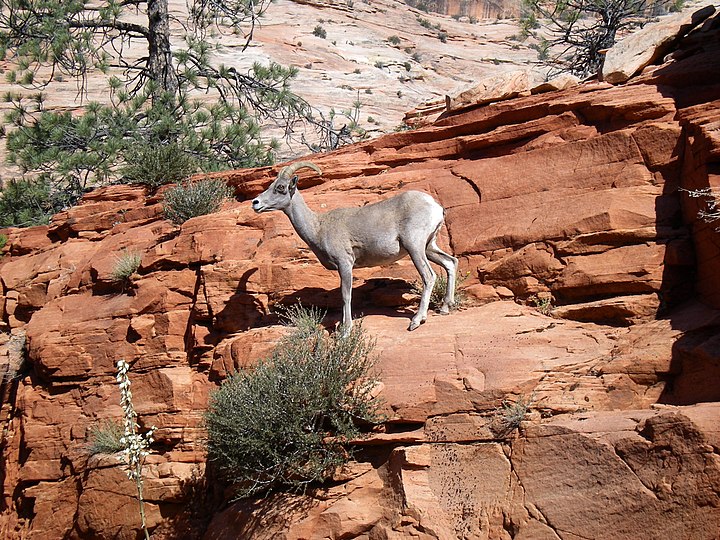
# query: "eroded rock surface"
[570,195]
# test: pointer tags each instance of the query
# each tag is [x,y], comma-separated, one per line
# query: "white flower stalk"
[135,444]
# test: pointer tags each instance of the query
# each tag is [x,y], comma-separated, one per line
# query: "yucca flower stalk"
[135,444]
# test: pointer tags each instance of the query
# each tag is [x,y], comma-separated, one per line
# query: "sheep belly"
[378,252]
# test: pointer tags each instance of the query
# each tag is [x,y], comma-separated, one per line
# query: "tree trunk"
[160,67]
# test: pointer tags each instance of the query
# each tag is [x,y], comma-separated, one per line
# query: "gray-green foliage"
[437,296]
[286,422]
[105,438]
[157,165]
[126,265]
[191,199]
[512,413]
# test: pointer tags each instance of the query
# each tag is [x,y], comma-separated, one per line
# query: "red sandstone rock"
[568,195]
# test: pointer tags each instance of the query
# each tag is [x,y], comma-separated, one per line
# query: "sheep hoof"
[415,324]
[445,310]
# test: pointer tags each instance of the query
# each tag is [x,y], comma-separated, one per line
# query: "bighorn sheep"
[371,235]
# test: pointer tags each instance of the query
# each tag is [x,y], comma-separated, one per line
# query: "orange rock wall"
[571,195]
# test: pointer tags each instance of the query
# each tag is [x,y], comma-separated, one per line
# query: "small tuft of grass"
[106,438]
[126,265]
[542,303]
[511,414]
[438,293]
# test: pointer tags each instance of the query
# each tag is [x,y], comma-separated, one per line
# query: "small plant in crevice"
[125,266]
[438,293]
[542,303]
[286,422]
[134,444]
[509,416]
[320,32]
[191,199]
[106,438]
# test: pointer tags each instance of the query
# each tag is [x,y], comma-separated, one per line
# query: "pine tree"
[173,93]
[580,30]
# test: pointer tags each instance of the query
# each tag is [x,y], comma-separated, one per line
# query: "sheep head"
[279,194]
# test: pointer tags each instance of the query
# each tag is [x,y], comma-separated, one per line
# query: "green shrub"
[24,203]
[126,265]
[424,22]
[157,165]
[192,199]
[438,293]
[542,303]
[286,422]
[3,241]
[320,32]
[105,438]
[394,40]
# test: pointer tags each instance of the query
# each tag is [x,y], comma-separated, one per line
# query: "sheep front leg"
[346,281]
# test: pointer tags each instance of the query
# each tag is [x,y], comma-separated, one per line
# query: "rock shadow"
[695,358]
[375,296]
[242,311]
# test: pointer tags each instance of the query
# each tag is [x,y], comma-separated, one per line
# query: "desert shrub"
[126,265]
[286,422]
[192,199]
[320,32]
[394,40]
[106,438]
[438,293]
[155,165]
[424,22]
[542,303]
[3,241]
[511,414]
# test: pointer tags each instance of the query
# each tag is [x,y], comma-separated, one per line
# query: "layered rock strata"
[592,291]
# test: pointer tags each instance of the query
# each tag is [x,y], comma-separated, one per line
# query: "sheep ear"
[292,186]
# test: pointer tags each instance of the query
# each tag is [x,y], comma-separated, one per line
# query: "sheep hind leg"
[427,274]
[346,282]
[450,264]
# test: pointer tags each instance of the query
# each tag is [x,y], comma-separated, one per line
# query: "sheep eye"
[280,189]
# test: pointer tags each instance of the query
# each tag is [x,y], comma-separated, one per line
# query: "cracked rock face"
[573,395]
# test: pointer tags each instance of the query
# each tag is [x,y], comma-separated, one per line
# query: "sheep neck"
[304,220]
